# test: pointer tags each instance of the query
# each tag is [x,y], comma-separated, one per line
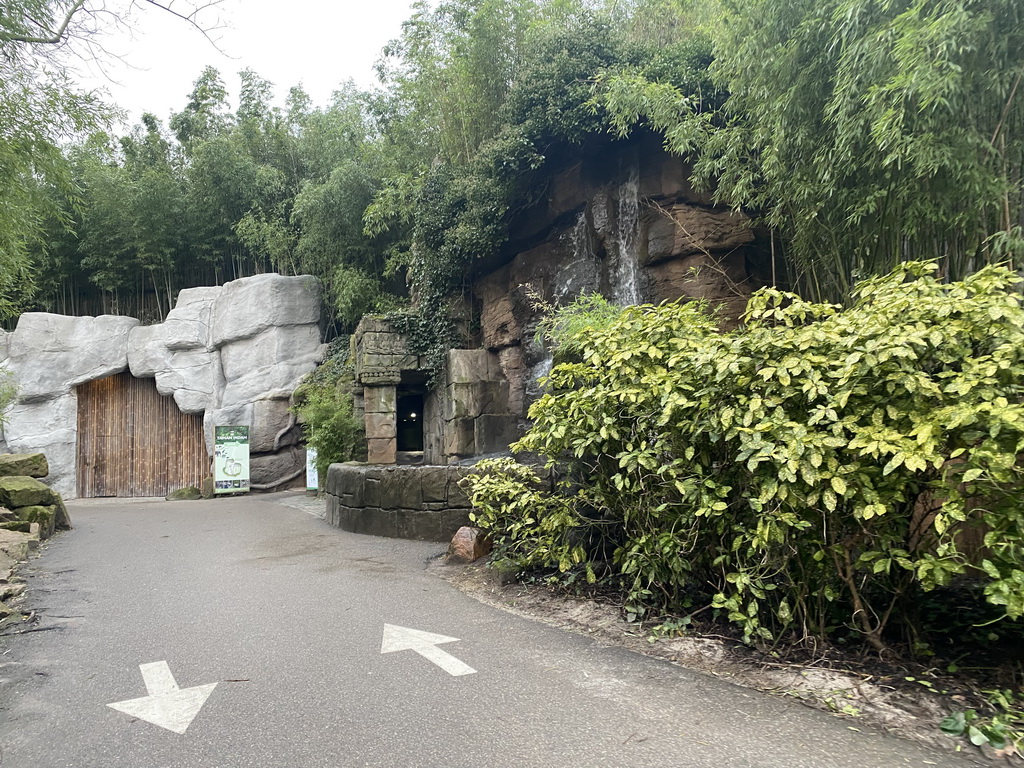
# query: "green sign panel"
[231,460]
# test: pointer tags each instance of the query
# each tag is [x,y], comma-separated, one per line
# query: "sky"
[152,64]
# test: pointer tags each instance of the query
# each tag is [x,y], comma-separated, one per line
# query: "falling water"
[625,271]
[578,276]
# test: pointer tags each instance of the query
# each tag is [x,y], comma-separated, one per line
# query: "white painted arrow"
[425,644]
[167,705]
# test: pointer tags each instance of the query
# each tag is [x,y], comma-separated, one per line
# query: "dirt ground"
[906,701]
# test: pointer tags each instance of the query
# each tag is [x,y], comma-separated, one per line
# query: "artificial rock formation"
[234,353]
[622,221]
[467,413]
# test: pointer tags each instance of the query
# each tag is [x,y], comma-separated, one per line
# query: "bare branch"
[48,34]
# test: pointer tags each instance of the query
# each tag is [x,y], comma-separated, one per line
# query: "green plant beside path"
[324,404]
[808,476]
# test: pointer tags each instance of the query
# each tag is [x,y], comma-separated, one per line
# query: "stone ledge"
[401,502]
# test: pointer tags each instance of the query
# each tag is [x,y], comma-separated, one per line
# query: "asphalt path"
[286,615]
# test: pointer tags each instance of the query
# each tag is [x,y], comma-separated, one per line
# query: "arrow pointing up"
[167,705]
[425,644]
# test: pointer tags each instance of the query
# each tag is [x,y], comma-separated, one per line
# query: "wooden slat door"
[134,442]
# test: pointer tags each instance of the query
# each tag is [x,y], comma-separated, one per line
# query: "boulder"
[25,464]
[20,526]
[246,308]
[44,515]
[191,493]
[49,427]
[189,325]
[17,492]
[467,545]
[51,354]
[275,359]
[61,518]
[15,546]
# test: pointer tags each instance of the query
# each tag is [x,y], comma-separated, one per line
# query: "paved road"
[286,614]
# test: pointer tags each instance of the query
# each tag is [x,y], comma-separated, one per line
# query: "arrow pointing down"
[425,644]
[167,705]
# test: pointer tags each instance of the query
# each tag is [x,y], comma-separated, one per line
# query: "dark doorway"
[409,426]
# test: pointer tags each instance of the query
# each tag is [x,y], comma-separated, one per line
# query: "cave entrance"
[133,442]
[409,423]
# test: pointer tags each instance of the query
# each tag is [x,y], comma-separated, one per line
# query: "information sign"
[312,478]
[231,460]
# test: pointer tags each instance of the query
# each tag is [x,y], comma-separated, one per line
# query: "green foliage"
[8,392]
[222,195]
[1003,729]
[807,473]
[529,527]
[858,129]
[39,109]
[324,404]
[565,328]
[496,91]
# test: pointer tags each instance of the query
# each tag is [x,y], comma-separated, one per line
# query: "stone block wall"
[403,502]
[467,415]
[380,419]
[475,408]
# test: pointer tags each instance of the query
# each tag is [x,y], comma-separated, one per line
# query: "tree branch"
[55,37]
[61,33]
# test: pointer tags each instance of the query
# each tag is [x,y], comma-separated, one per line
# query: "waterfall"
[534,387]
[625,276]
[578,277]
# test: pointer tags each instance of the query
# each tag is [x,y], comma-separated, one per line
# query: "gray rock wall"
[403,502]
[234,353]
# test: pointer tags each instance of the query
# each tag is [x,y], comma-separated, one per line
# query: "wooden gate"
[134,442]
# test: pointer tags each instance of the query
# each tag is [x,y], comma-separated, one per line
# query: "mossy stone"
[45,516]
[26,464]
[61,518]
[20,491]
[191,493]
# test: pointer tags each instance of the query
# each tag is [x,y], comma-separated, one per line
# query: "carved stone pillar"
[379,403]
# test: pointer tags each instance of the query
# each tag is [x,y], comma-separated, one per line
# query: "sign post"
[312,478]
[231,460]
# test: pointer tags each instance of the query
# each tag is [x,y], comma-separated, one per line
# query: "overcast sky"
[318,43]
